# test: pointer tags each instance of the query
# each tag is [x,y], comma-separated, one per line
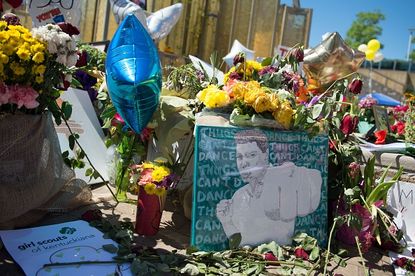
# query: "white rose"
[62,59]
[72,59]
[52,47]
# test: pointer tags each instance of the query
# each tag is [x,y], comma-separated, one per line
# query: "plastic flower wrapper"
[155,177]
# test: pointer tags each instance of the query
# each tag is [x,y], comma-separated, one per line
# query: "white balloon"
[161,22]
[378,57]
[237,48]
[201,65]
[122,8]
[362,48]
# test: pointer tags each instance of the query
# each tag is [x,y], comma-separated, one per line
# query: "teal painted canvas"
[262,184]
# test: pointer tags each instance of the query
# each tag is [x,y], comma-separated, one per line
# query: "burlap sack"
[32,172]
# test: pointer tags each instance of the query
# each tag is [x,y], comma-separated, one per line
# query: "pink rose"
[145,177]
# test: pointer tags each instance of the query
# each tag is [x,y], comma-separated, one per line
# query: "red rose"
[297,54]
[92,215]
[355,86]
[301,253]
[82,59]
[349,124]
[69,28]
[269,256]
[401,262]
[380,136]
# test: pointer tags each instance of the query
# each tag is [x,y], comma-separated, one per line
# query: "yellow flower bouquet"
[261,94]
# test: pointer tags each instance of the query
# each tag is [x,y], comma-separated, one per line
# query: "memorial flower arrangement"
[271,90]
[34,67]
[155,177]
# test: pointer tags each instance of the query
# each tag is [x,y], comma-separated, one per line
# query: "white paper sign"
[55,11]
[281,50]
[74,241]
[84,121]
[401,199]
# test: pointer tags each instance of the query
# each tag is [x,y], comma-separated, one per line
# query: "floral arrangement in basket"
[34,66]
[155,177]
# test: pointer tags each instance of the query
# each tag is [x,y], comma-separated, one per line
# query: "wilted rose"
[349,124]
[355,86]
[239,58]
[269,256]
[401,262]
[68,28]
[301,253]
[11,19]
[298,54]
[92,215]
[82,59]
[354,169]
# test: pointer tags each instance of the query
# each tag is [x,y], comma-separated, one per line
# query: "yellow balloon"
[370,54]
[373,45]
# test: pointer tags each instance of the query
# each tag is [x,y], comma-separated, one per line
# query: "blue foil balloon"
[133,73]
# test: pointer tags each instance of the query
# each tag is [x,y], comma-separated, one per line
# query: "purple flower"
[298,54]
[93,93]
[313,101]
[239,58]
[235,76]
[85,79]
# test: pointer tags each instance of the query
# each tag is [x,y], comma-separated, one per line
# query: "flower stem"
[85,263]
[86,155]
[361,256]
[328,247]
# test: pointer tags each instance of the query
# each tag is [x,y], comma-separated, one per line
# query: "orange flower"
[313,86]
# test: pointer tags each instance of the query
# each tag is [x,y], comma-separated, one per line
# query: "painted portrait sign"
[264,185]
[55,11]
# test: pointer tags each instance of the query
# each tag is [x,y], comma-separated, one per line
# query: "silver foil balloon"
[331,60]
[161,22]
[133,73]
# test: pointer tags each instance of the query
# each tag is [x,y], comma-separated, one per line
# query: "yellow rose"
[216,99]
[150,188]
[252,94]
[275,101]
[38,57]
[262,104]
[284,115]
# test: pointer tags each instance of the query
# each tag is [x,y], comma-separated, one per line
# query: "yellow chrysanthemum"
[38,47]
[23,53]
[17,69]
[3,25]
[284,115]
[39,79]
[160,191]
[8,49]
[38,57]
[4,35]
[40,69]
[160,173]
[4,58]
[150,188]
[147,165]
[254,65]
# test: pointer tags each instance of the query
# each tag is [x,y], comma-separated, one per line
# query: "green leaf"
[65,154]
[251,270]
[317,110]
[67,110]
[266,61]
[162,267]
[190,269]
[71,140]
[88,172]
[315,253]
[272,247]
[110,248]
[235,241]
